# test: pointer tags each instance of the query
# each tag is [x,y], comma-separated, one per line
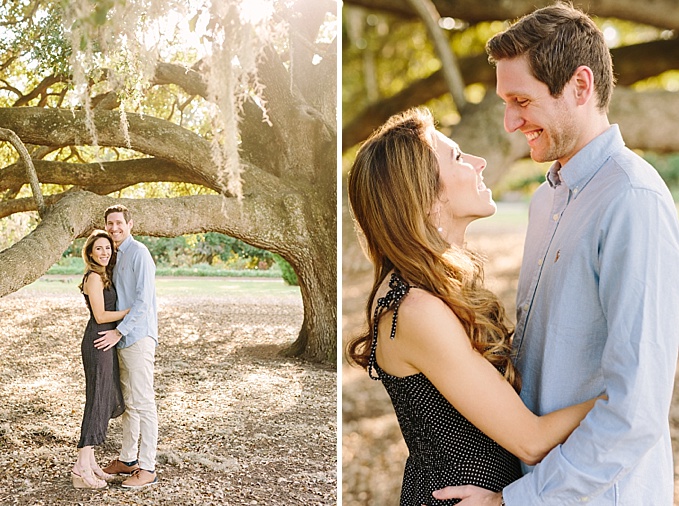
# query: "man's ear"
[583,84]
[130,223]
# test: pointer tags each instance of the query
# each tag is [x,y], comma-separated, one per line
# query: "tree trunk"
[317,339]
[287,154]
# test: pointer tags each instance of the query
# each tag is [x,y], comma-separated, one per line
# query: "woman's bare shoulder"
[420,301]
[93,280]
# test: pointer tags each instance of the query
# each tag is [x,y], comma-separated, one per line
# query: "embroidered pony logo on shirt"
[556,258]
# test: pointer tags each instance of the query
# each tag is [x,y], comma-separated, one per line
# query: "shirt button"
[575,190]
[555,217]
[540,261]
[525,307]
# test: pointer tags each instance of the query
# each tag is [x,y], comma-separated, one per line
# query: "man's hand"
[470,495]
[108,339]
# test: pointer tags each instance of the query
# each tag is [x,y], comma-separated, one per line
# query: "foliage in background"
[668,167]
[523,178]
[287,271]
[209,254]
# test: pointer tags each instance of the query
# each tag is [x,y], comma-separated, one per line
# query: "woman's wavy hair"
[393,185]
[106,273]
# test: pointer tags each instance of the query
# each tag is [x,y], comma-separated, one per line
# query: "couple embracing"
[118,352]
[572,406]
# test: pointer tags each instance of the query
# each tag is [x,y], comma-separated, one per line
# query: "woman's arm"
[94,288]
[431,339]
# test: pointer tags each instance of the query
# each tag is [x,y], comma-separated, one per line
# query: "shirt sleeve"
[144,271]
[638,268]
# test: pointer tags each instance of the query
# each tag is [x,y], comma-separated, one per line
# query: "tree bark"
[123,173]
[29,169]
[663,13]
[632,64]
[289,173]
[451,73]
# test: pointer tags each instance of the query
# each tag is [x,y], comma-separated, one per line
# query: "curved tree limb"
[152,136]
[191,81]
[121,173]
[77,213]
[303,32]
[658,106]
[427,12]
[12,138]
[27,260]
[257,134]
[40,89]
[24,205]
[663,14]
[632,64]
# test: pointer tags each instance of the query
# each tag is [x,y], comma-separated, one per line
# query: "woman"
[103,397]
[447,364]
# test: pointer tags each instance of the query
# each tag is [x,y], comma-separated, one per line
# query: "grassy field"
[178,286]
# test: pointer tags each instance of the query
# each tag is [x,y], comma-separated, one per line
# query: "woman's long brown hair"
[106,273]
[393,186]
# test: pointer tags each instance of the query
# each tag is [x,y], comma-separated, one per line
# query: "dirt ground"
[373,451]
[238,423]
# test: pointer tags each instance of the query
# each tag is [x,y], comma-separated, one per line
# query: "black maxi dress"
[103,397]
[445,448]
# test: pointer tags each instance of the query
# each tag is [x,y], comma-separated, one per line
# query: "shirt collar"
[586,162]
[125,244]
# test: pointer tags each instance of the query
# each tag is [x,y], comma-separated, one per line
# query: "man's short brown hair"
[557,40]
[118,208]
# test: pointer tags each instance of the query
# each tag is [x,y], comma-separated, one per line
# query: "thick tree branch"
[302,129]
[27,260]
[24,205]
[312,111]
[663,13]
[120,173]
[303,33]
[426,10]
[77,213]
[189,80]
[658,107]
[632,64]
[11,137]
[40,89]
[153,136]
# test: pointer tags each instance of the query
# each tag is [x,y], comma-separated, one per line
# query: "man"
[136,337]
[599,285]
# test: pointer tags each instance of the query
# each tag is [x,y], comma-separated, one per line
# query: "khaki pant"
[140,416]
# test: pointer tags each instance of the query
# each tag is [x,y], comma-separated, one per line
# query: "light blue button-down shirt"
[598,311]
[134,277]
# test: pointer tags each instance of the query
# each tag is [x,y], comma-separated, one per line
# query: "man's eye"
[522,102]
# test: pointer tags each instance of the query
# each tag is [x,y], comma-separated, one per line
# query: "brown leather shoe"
[141,478]
[118,467]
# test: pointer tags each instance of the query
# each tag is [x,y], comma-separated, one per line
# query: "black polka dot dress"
[445,448]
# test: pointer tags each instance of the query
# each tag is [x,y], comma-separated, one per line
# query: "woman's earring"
[438,220]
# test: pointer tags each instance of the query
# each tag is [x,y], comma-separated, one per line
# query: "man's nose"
[513,119]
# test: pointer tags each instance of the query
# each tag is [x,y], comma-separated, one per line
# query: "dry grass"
[373,451]
[238,423]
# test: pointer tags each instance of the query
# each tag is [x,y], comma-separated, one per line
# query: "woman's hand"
[470,495]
